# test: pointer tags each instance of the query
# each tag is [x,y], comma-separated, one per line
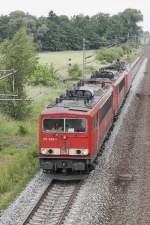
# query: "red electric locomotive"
[72,130]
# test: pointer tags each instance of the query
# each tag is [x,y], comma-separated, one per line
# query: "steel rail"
[44,207]
[68,205]
[41,198]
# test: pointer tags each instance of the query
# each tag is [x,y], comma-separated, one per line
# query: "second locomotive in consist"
[72,131]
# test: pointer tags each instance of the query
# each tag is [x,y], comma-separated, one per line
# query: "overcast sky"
[73,7]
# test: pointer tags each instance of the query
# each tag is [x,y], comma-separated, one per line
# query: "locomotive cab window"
[75,125]
[53,125]
[65,125]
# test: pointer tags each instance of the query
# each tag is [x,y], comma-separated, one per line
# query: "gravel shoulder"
[20,208]
[132,197]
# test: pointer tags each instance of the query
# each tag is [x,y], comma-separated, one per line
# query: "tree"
[130,19]
[4,27]
[19,54]
[57,33]
[101,23]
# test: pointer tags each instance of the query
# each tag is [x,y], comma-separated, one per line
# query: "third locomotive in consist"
[72,131]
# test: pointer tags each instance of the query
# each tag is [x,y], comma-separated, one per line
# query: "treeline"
[57,33]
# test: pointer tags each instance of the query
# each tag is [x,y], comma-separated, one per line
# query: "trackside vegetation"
[108,55]
[45,75]
[75,71]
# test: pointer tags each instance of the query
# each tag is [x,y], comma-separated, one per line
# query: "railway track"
[54,204]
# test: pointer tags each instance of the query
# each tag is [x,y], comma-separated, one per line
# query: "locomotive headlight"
[44,151]
[50,151]
[85,152]
[80,152]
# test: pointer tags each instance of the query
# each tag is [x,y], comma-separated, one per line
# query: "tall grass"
[16,166]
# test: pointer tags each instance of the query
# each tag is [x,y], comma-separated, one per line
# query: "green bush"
[19,111]
[46,75]
[110,54]
[75,71]
[22,130]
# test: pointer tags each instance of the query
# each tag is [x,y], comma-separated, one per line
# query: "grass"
[61,61]
[17,168]
[18,158]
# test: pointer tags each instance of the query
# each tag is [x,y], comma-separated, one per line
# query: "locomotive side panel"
[121,92]
[102,120]
[105,119]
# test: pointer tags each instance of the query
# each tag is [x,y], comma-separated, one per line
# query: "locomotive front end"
[63,142]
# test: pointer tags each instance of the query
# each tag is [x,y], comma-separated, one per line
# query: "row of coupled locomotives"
[73,129]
